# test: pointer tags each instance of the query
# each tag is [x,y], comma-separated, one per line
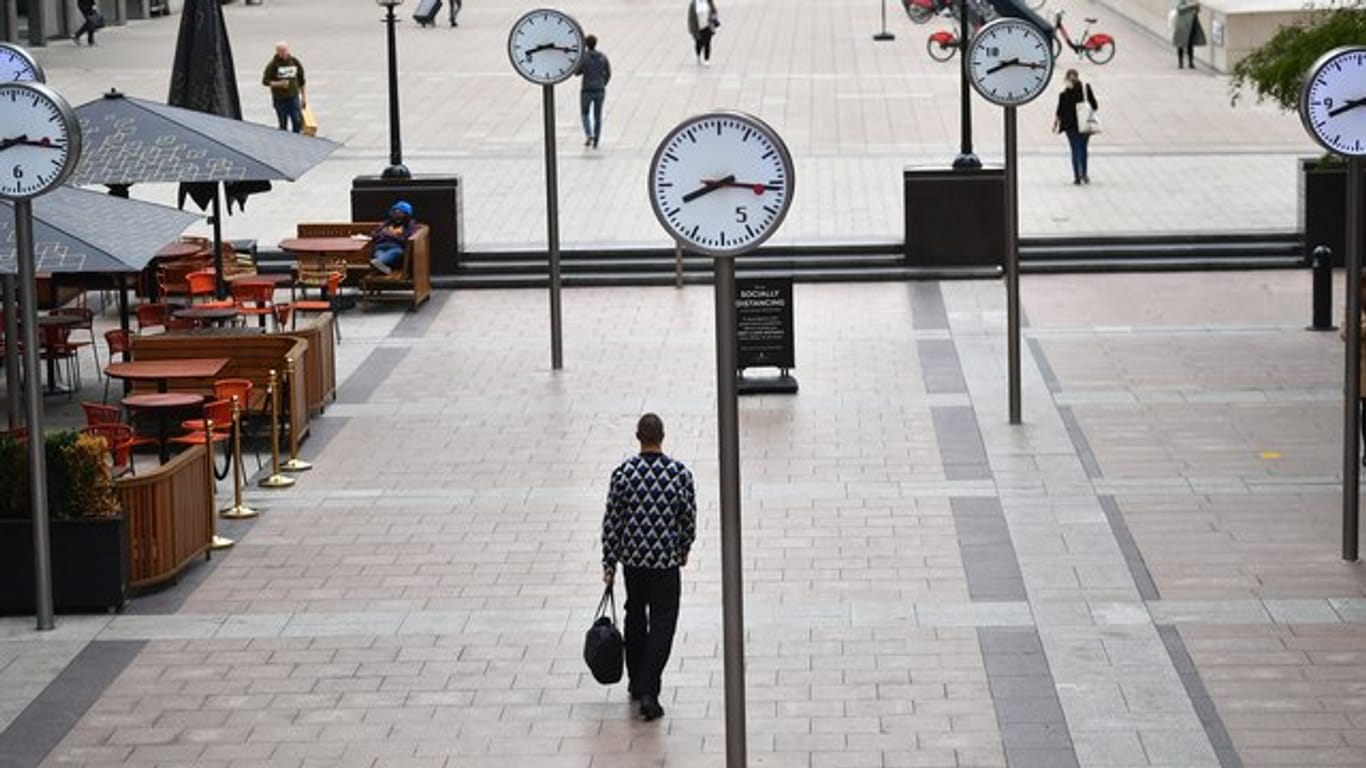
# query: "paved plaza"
[1145,573]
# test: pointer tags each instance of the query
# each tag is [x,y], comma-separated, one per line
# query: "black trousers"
[702,43]
[651,617]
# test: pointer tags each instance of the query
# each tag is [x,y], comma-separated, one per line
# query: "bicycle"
[1098,47]
[921,11]
[943,45]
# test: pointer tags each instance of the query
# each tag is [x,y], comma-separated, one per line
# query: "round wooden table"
[55,387]
[213,315]
[276,279]
[163,405]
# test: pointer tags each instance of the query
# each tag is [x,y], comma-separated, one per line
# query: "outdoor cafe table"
[163,371]
[215,315]
[317,255]
[163,405]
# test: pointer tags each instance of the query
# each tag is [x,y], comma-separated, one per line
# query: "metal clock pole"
[37,471]
[1351,469]
[552,225]
[728,449]
[1012,267]
[966,158]
[884,35]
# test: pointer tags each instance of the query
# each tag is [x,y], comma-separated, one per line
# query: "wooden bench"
[250,356]
[410,284]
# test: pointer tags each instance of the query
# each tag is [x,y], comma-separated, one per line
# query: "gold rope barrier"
[238,510]
[295,464]
[276,480]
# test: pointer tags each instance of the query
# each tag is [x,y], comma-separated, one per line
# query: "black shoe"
[650,708]
[595,142]
[1085,179]
[1076,181]
[77,40]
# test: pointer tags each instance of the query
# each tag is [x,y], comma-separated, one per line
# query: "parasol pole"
[12,387]
[220,285]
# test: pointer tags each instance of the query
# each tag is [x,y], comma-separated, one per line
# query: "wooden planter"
[1323,208]
[169,511]
[89,571]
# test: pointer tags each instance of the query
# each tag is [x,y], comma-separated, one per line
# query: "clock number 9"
[1328,103]
[18,172]
[741,214]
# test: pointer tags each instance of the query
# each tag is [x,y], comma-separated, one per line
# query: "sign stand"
[764,335]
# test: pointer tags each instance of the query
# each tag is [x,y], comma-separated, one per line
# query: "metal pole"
[678,263]
[966,158]
[1321,263]
[728,450]
[1350,443]
[396,169]
[37,25]
[12,391]
[220,285]
[1012,267]
[884,34]
[33,399]
[552,226]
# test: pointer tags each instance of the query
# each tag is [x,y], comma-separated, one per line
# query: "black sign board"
[763,308]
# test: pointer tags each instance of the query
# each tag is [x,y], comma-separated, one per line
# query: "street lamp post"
[396,169]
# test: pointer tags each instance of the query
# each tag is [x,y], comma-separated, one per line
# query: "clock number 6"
[741,214]
[18,172]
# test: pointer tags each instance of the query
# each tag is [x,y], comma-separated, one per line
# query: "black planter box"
[1323,208]
[89,565]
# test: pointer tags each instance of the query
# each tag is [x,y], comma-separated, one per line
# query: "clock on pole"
[18,64]
[1333,109]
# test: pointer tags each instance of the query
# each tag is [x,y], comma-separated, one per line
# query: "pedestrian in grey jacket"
[1186,31]
[596,72]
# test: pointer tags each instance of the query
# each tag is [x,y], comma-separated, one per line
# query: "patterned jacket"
[651,516]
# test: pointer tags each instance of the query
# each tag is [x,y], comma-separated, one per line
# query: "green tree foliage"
[1276,70]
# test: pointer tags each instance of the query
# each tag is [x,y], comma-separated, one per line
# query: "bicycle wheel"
[1102,53]
[916,12]
[941,51]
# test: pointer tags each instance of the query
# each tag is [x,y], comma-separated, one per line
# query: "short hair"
[592,42]
[650,429]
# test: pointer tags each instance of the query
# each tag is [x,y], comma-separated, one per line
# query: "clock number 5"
[741,214]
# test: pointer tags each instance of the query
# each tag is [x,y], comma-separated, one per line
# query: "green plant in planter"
[1276,69]
[78,481]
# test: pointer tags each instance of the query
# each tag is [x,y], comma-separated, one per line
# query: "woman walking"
[1186,31]
[93,21]
[1074,93]
[702,23]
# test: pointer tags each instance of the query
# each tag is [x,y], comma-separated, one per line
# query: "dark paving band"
[369,376]
[988,556]
[1133,558]
[1200,698]
[960,443]
[1034,732]
[1079,442]
[416,324]
[42,726]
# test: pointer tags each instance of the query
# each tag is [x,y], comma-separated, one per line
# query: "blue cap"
[404,206]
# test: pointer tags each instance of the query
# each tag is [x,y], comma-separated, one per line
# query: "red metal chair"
[152,314]
[227,389]
[254,298]
[220,413]
[203,284]
[57,346]
[331,295]
[119,342]
[87,324]
[118,439]
[98,414]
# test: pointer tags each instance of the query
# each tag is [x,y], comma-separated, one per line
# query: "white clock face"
[545,46]
[1333,105]
[721,182]
[16,65]
[39,140]
[1010,62]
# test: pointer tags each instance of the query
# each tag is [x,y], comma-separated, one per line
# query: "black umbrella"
[128,140]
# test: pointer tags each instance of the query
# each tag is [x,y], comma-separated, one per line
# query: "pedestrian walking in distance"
[284,76]
[1186,31]
[90,13]
[1066,121]
[596,72]
[703,21]
[455,11]
[649,526]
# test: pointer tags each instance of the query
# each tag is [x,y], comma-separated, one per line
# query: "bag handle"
[609,599]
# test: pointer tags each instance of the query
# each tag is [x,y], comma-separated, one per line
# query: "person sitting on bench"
[390,238]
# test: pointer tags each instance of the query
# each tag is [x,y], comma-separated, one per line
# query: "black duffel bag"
[603,649]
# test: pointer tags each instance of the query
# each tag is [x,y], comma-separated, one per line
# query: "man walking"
[649,526]
[596,71]
[288,90]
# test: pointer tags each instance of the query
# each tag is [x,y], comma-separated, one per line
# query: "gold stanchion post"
[295,464]
[276,480]
[238,510]
[217,542]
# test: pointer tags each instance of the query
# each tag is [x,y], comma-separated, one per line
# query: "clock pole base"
[784,384]
[967,160]
[881,36]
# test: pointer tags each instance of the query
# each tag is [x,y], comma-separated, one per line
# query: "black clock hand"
[1350,105]
[1007,63]
[7,143]
[709,186]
